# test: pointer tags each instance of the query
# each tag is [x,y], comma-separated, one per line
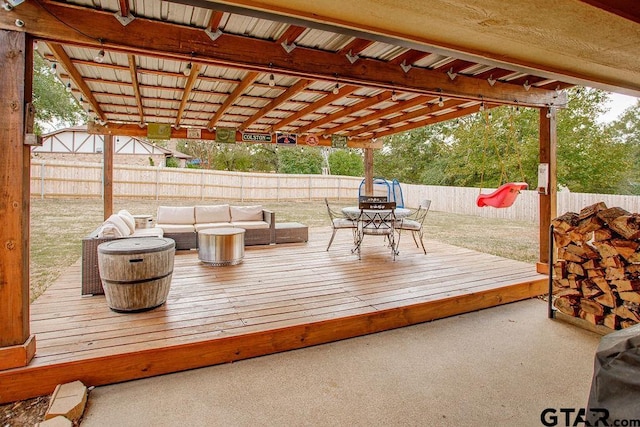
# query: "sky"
[617,105]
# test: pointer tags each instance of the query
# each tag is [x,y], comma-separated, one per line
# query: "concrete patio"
[500,366]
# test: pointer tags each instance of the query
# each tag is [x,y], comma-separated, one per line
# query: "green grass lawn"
[58,225]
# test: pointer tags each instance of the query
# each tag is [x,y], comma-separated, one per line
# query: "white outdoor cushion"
[108,230]
[212,213]
[117,221]
[148,232]
[177,228]
[206,225]
[129,219]
[250,224]
[246,213]
[176,215]
[409,224]
[344,223]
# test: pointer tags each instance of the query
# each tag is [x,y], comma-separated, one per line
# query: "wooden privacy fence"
[65,179]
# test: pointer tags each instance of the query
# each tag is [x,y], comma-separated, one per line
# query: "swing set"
[506,193]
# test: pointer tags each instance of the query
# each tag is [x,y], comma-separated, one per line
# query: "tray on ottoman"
[291,232]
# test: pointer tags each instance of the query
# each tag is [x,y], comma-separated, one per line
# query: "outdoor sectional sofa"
[182,223]
[179,223]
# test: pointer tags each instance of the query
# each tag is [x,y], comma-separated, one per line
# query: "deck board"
[281,297]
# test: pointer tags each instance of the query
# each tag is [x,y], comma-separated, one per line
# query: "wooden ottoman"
[291,232]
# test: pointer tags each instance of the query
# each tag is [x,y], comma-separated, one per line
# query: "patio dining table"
[373,216]
[353,212]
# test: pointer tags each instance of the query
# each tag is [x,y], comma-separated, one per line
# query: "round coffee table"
[221,246]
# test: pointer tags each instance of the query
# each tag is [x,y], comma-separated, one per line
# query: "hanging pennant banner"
[227,135]
[339,141]
[158,131]
[194,133]
[286,138]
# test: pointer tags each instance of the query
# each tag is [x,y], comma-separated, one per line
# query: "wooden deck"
[280,298]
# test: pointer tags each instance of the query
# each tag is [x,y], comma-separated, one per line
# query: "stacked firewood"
[597,272]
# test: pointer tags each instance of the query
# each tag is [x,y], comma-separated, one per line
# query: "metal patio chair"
[414,224]
[340,221]
[377,219]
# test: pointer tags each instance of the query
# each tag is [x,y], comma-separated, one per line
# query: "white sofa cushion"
[175,215]
[129,219]
[206,225]
[212,213]
[114,225]
[246,213]
[177,228]
[250,224]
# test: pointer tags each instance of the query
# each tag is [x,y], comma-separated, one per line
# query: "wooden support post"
[17,345]
[107,190]
[368,171]
[548,203]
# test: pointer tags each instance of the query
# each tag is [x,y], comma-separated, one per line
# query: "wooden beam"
[285,96]
[433,119]
[326,100]
[290,34]
[62,57]
[368,172]
[125,9]
[107,178]
[94,28]
[188,88]
[548,208]
[17,345]
[214,21]
[399,107]
[136,87]
[345,111]
[424,111]
[248,79]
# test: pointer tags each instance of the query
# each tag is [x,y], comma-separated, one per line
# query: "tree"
[626,130]
[54,106]
[346,162]
[299,160]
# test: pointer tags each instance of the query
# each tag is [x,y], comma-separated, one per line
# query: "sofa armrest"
[270,218]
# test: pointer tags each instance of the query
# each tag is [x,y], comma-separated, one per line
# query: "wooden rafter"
[355,47]
[409,57]
[136,88]
[345,111]
[158,38]
[420,112]
[62,57]
[214,21]
[125,9]
[326,100]
[188,87]
[290,34]
[432,120]
[378,115]
[285,96]
[231,99]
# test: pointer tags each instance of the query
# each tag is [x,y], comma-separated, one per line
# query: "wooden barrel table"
[136,272]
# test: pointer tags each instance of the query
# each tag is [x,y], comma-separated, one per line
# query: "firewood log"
[605,249]
[593,318]
[624,312]
[611,321]
[591,210]
[608,215]
[592,307]
[627,226]
[565,222]
[561,238]
[569,256]
[602,234]
[613,261]
[566,306]
[607,299]
[630,296]
[575,268]
[626,285]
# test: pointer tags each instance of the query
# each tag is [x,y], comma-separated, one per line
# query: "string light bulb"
[54,67]
[99,58]
[482,106]
[68,89]
[272,80]
[440,102]
[394,96]
[336,89]
[187,70]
